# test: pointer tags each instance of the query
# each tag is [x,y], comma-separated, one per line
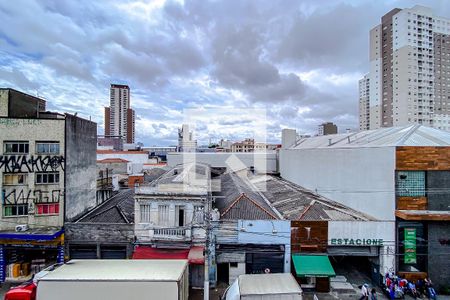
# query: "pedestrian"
[373,294]
[430,289]
[392,291]
[364,292]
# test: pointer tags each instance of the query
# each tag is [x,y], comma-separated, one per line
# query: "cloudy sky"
[299,61]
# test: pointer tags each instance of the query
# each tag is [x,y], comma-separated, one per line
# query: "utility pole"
[207,218]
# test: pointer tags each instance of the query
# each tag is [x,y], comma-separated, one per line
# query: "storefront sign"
[356,242]
[410,246]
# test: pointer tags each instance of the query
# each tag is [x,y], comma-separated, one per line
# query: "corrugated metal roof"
[117,209]
[297,203]
[239,199]
[412,135]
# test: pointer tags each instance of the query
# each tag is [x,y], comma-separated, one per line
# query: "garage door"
[83,251]
[257,263]
[113,252]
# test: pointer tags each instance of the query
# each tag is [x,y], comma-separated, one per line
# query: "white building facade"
[391,175]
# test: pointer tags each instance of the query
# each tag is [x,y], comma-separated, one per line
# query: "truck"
[108,279]
[279,286]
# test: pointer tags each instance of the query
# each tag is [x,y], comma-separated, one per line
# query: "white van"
[109,279]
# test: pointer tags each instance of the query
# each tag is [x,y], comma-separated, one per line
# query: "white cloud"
[298,60]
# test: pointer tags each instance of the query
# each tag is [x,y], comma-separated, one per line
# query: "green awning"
[312,265]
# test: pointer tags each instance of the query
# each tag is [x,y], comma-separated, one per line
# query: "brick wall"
[422,158]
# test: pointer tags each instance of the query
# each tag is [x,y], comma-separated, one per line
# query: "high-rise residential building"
[364,105]
[119,117]
[327,128]
[409,77]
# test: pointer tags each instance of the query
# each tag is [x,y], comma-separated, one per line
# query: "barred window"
[410,183]
[163,215]
[145,213]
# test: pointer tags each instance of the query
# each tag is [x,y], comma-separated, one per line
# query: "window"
[410,183]
[163,215]
[179,215]
[47,208]
[14,210]
[145,213]
[16,148]
[47,148]
[14,179]
[199,214]
[47,177]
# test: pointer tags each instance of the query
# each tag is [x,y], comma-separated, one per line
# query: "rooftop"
[268,284]
[112,160]
[183,179]
[412,135]
[125,269]
[121,152]
[117,209]
[240,199]
[294,202]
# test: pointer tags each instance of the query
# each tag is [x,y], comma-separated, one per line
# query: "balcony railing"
[170,232]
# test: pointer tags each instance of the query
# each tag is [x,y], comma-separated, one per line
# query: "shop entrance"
[22,263]
[357,269]
[223,273]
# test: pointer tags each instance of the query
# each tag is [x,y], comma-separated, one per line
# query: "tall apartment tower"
[119,117]
[409,77]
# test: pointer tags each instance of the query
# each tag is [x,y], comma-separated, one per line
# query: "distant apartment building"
[186,141]
[364,104]
[119,117]
[249,145]
[409,71]
[224,146]
[47,176]
[327,128]
[110,142]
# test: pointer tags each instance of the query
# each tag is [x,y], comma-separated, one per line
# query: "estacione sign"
[356,242]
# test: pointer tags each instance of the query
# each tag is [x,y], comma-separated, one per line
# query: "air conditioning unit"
[21,228]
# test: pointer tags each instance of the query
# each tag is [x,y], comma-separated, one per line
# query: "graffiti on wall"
[21,196]
[31,163]
[11,123]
